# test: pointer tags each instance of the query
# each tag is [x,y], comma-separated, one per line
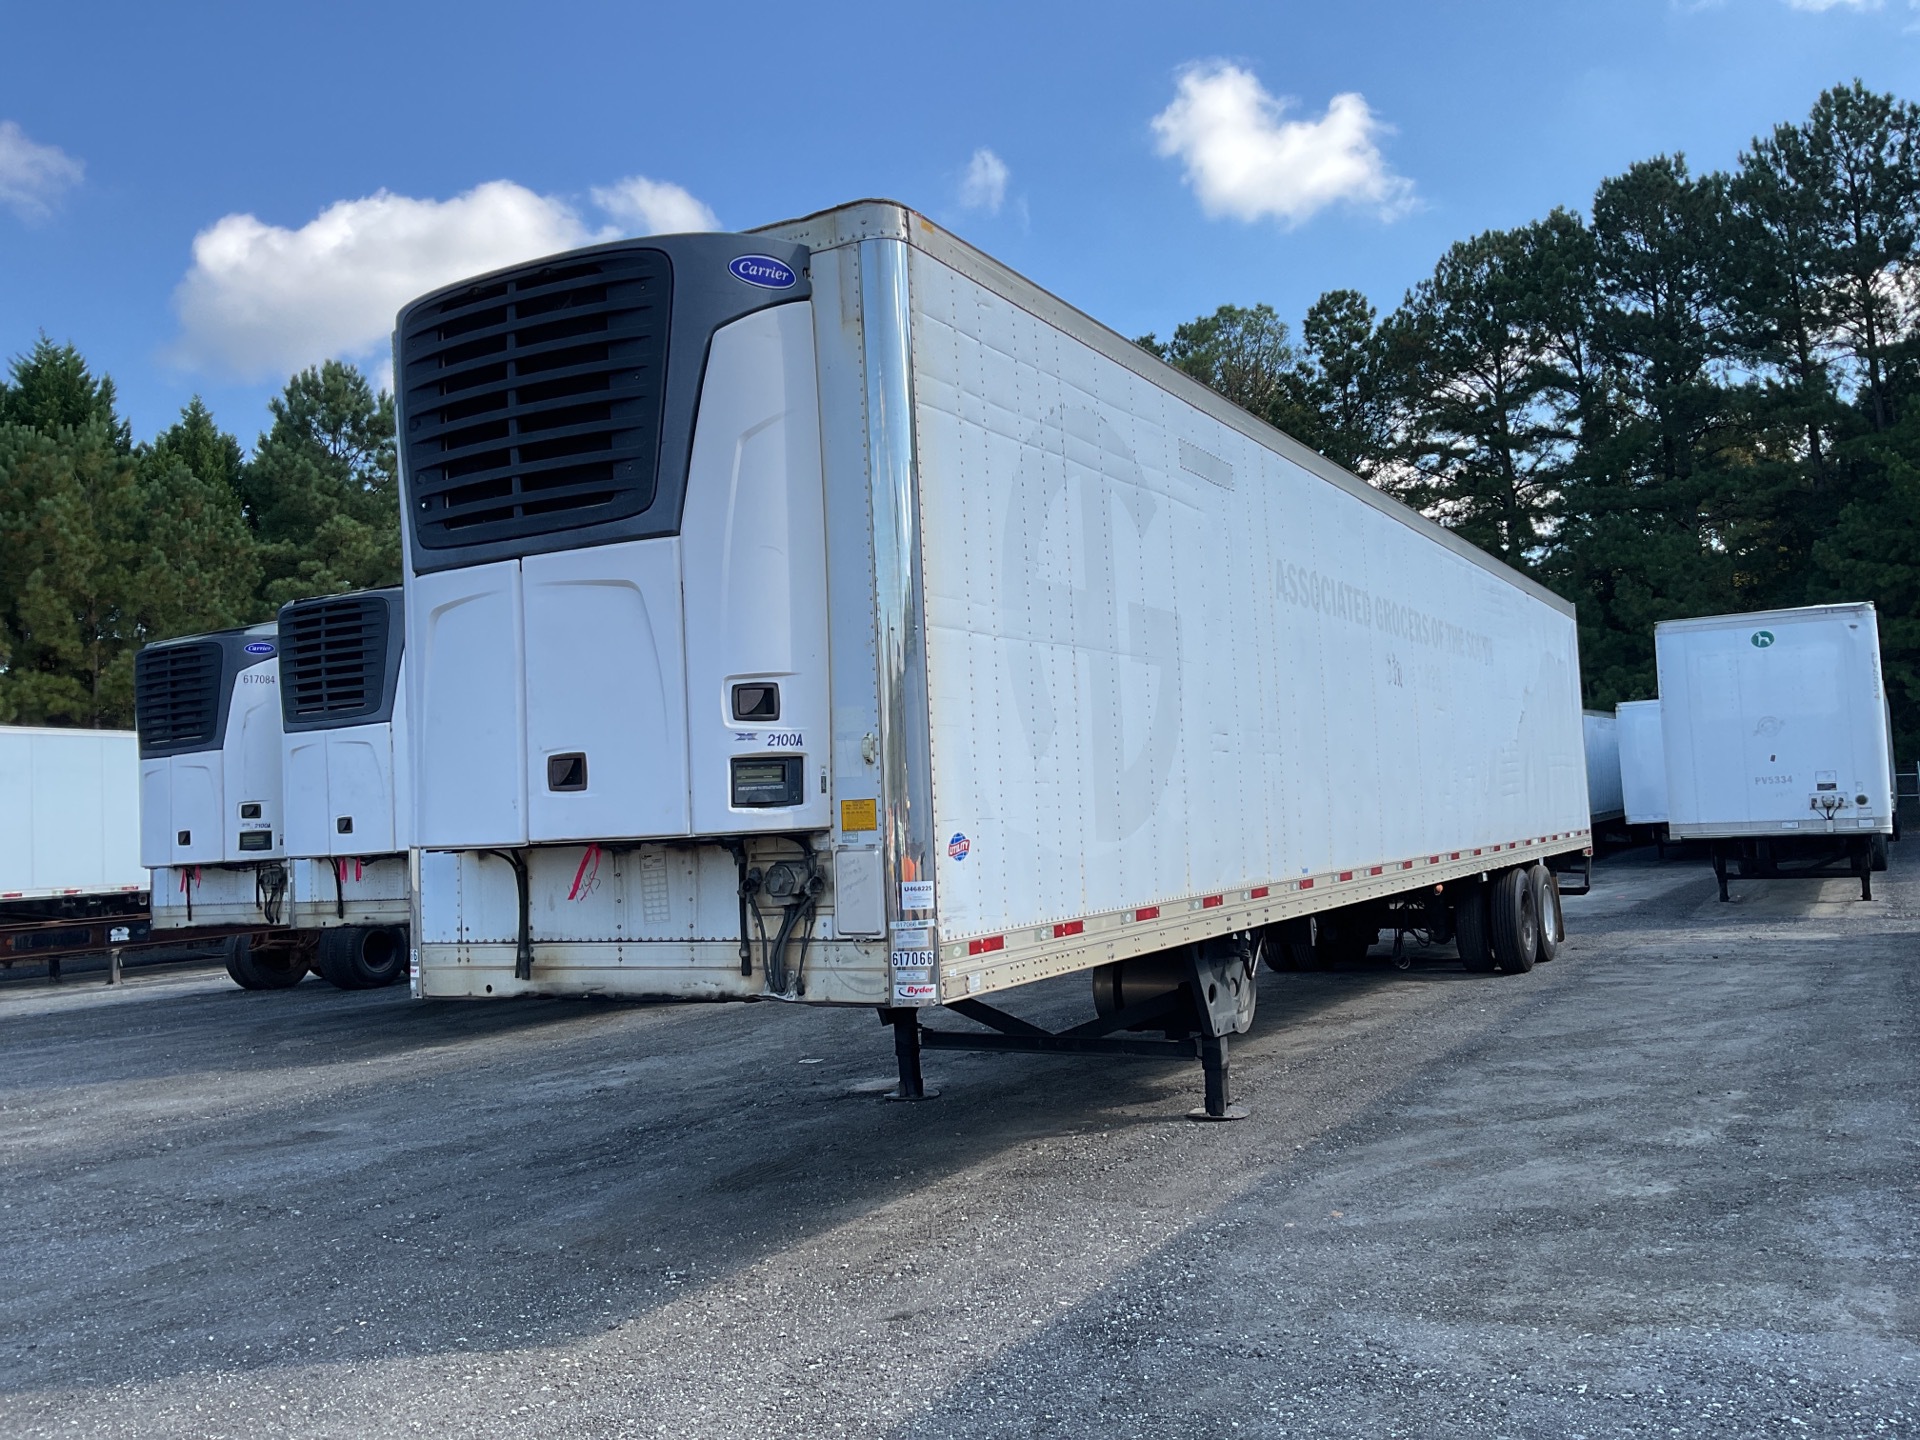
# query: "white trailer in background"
[1601,735]
[69,840]
[1778,749]
[207,708]
[830,614]
[1643,763]
[343,775]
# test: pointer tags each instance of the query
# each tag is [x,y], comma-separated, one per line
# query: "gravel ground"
[1663,1186]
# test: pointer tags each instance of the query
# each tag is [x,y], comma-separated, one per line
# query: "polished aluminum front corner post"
[906,753]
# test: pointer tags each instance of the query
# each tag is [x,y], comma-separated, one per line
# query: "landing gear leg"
[906,1051]
[1215,1067]
[1720,871]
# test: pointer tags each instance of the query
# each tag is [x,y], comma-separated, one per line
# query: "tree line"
[1697,398]
[106,545]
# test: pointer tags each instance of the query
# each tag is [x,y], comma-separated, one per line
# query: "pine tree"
[52,389]
[1476,379]
[321,494]
[69,503]
[1244,354]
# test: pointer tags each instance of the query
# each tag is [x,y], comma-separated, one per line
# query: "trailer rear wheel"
[1516,924]
[1342,937]
[1546,905]
[263,967]
[1473,929]
[360,957]
[1290,944]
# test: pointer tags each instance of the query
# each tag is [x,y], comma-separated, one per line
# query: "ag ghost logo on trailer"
[764,271]
[1069,511]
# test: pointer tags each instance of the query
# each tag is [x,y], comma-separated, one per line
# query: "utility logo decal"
[959,847]
[1762,639]
[764,271]
[259,647]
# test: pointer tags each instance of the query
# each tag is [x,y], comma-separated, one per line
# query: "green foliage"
[1698,400]
[69,504]
[52,390]
[203,448]
[105,547]
[1873,550]
[1246,355]
[321,494]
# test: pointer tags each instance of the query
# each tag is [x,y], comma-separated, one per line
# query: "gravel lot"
[1667,1185]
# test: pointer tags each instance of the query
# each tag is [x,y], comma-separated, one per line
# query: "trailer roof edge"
[890,220]
[1783,615]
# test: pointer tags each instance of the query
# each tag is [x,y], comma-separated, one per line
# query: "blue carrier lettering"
[764,271]
[259,647]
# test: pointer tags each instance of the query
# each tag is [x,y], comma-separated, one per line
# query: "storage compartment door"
[606,754]
[754,546]
[360,791]
[464,657]
[308,824]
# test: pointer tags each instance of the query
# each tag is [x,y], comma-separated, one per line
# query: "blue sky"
[189,193]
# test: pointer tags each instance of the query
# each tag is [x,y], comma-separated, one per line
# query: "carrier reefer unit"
[1777,742]
[1643,762]
[1601,735]
[343,773]
[829,613]
[69,834]
[207,708]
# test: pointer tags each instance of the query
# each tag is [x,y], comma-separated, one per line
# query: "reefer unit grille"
[176,696]
[533,399]
[333,658]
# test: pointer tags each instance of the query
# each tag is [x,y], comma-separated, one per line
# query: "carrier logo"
[1762,639]
[764,271]
[259,647]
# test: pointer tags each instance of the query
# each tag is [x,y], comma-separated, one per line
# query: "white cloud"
[984,186]
[262,300]
[654,207]
[1245,159]
[32,175]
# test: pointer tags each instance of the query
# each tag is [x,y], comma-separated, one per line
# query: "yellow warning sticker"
[859,815]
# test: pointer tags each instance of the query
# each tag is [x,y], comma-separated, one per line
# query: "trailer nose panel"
[467,646]
[606,722]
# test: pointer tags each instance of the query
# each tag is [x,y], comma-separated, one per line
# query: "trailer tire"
[1516,924]
[1546,905]
[1473,929]
[1341,938]
[360,957]
[1290,944]
[269,967]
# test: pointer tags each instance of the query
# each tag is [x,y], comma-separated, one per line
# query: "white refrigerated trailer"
[344,786]
[272,804]
[70,872]
[1643,763]
[1601,737]
[1778,749]
[828,613]
[207,708]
